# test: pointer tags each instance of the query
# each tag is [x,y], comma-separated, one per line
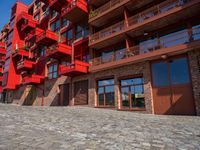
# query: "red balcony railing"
[148,47]
[20,52]
[59,50]
[2,48]
[1,89]
[47,37]
[106,7]
[25,65]
[74,69]
[58,4]
[2,59]
[33,33]
[136,19]
[26,21]
[75,10]
[33,79]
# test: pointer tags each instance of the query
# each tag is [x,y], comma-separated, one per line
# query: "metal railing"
[105,8]
[173,39]
[138,18]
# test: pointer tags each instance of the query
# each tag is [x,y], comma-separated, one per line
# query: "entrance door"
[172,89]
[64,95]
[81,92]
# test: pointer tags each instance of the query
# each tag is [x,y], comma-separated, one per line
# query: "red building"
[122,54]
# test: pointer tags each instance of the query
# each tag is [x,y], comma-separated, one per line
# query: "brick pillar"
[194,63]
[148,88]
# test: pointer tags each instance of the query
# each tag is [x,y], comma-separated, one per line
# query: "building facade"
[118,54]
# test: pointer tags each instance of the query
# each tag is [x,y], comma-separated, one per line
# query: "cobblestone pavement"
[83,128]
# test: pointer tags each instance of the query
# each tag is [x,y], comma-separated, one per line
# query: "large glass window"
[53,71]
[42,51]
[170,72]
[105,92]
[132,93]
[179,71]
[160,74]
[64,22]
[69,37]
[55,27]
[79,32]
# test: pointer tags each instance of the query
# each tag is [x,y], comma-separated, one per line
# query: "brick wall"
[194,62]
[129,70]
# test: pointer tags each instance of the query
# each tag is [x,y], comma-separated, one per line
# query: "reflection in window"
[179,71]
[105,91]
[170,72]
[175,38]
[196,32]
[55,27]
[132,93]
[53,71]
[160,74]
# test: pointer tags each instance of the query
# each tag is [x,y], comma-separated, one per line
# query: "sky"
[5,10]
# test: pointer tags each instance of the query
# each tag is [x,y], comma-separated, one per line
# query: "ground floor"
[167,85]
[80,128]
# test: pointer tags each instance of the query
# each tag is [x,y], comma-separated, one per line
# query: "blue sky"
[5,10]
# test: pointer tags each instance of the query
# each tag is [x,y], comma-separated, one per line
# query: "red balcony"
[25,65]
[1,89]
[2,48]
[33,33]
[47,38]
[75,11]
[59,50]
[18,53]
[75,69]
[58,4]
[2,60]
[26,21]
[33,79]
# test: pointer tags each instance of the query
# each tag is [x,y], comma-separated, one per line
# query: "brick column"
[194,63]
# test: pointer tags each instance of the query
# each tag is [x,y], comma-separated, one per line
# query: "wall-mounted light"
[164,56]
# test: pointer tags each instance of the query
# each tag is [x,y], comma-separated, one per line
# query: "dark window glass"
[179,71]
[69,36]
[55,27]
[53,71]
[160,74]
[106,92]
[79,32]
[132,93]
[43,51]
[65,22]
[125,96]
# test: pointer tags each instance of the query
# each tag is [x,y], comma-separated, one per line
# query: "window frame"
[51,73]
[129,86]
[104,92]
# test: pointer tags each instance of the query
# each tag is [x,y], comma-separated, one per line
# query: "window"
[160,74]
[64,23]
[105,92]
[132,93]
[69,36]
[53,71]
[37,5]
[55,27]
[42,51]
[79,32]
[37,17]
[53,14]
[171,72]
